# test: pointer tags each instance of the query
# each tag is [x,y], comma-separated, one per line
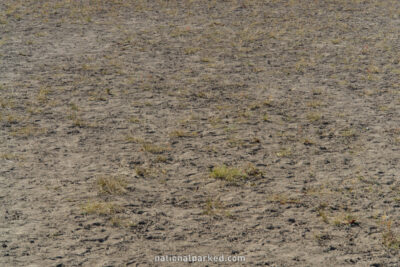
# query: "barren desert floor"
[268,130]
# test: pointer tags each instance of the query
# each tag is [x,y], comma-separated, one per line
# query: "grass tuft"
[100,208]
[112,185]
[154,149]
[389,238]
[229,174]
[215,207]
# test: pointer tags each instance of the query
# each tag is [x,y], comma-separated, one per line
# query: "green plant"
[229,174]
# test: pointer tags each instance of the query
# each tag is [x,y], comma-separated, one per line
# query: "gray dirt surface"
[265,129]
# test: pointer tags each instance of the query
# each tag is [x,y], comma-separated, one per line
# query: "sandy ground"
[265,129]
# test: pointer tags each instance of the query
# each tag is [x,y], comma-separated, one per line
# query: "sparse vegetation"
[215,207]
[42,96]
[308,142]
[155,149]
[323,216]
[134,139]
[28,131]
[313,116]
[112,185]
[100,208]
[134,119]
[119,221]
[128,126]
[253,171]
[143,172]
[314,104]
[182,133]
[348,133]
[10,156]
[389,238]
[161,159]
[345,219]
[231,175]
[284,152]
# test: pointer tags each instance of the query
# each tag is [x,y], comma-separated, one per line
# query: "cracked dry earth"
[116,116]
